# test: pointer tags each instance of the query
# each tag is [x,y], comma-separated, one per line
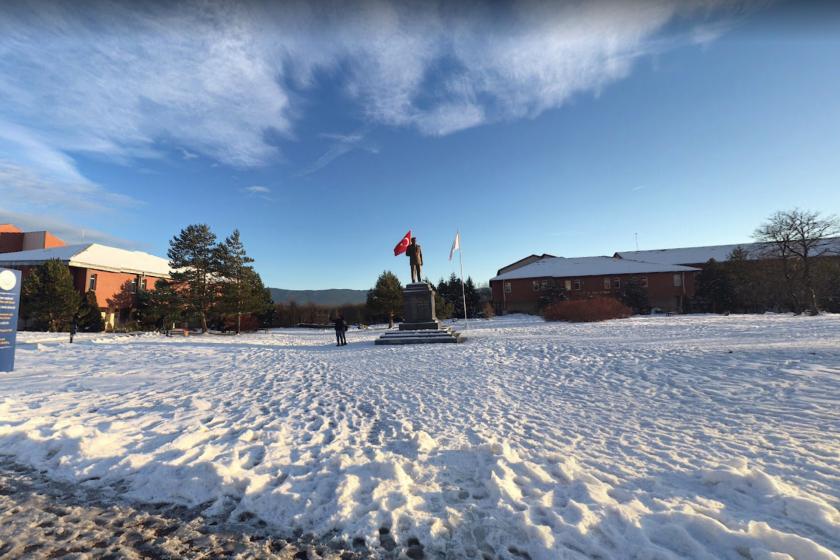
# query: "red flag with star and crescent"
[403,244]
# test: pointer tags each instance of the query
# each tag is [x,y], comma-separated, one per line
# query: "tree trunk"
[809,287]
[203,323]
[238,322]
[791,287]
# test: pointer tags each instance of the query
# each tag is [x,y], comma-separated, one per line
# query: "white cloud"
[220,79]
[186,154]
[259,191]
[112,79]
[23,187]
[342,144]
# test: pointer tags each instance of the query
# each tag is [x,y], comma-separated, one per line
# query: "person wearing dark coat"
[340,329]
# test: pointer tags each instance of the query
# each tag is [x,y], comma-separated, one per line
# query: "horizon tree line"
[214,284]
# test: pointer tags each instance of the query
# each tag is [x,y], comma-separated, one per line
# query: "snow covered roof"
[95,256]
[698,255]
[524,261]
[561,267]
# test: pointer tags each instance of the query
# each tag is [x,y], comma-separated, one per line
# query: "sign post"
[9,308]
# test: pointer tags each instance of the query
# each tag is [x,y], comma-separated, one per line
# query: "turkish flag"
[403,244]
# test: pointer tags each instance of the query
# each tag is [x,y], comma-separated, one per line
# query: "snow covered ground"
[657,437]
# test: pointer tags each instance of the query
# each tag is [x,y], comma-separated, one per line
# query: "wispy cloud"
[32,171]
[21,186]
[258,191]
[68,232]
[186,154]
[341,144]
[224,80]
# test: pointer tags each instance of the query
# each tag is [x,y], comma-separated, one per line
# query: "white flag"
[456,245]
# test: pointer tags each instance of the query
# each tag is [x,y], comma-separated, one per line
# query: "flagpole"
[463,291]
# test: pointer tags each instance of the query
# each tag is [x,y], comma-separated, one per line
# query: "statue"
[415,259]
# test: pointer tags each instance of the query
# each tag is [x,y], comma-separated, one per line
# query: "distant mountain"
[320,297]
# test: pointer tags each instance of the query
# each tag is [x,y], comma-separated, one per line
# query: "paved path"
[40,518]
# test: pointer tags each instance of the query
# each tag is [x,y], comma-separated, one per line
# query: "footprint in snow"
[252,456]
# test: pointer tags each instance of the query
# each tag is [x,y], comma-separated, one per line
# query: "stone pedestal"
[419,308]
[420,325]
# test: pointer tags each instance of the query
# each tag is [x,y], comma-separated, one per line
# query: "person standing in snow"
[415,259]
[340,329]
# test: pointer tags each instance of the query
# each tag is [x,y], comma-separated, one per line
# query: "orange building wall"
[108,284]
[51,240]
[9,228]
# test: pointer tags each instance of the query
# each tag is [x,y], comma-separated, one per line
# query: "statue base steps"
[441,335]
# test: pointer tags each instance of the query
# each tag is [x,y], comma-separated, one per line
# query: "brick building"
[521,286]
[521,289]
[113,274]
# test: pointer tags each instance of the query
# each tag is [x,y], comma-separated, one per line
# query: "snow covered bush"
[586,310]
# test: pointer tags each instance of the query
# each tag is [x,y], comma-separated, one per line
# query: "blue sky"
[325,131]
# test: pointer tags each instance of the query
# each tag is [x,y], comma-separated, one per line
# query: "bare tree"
[778,237]
[796,237]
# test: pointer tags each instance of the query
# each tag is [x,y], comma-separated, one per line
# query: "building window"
[507,287]
[576,284]
[133,286]
[568,285]
[545,285]
[643,281]
[535,285]
[677,280]
[92,283]
[145,284]
[606,283]
[616,283]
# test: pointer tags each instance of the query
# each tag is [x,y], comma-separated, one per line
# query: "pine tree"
[233,266]
[714,287]
[634,296]
[442,288]
[452,294]
[386,298]
[247,295]
[194,258]
[48,296]
[165,306]
[443,310]
[472,297]
[90,317]
[265,313]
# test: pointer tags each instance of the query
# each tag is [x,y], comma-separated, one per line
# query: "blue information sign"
[9,307]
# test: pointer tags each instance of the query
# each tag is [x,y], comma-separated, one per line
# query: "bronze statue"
[415,259]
